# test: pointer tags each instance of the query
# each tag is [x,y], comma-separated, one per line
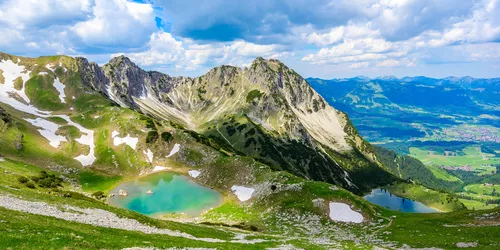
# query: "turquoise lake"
[172,193]
[385,199]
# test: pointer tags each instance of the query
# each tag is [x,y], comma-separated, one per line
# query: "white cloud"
[74,27]
[10,37]
[188,55]
[367,42]
[489,52]
[359,44]
[483,26]
[352,34]
[396,63]
[359,65]
[32,14]
[117,23]
[333,36]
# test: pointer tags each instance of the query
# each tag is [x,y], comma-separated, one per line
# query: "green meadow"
[469,156]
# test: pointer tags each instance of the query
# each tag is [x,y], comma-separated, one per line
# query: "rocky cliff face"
[287,116]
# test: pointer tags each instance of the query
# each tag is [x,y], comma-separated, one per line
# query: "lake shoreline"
[384,198]
[165,193]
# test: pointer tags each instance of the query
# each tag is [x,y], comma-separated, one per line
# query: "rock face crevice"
[285,109]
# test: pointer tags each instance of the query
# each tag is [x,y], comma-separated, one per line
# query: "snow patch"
[160,168]
[129,140]
[194,173]
[243,193]
[60,88]
[342,212]
[149,154]
[48,130]
[175,149]
[57,84]
[87,138]
[11,71]
[60,65]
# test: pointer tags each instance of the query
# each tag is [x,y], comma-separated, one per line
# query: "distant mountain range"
[404,101]
[422,79]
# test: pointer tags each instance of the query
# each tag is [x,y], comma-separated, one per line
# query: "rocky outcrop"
[5,120]
[92,75]
[4,116]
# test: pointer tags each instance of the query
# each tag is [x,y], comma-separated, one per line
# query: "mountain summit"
[266,111]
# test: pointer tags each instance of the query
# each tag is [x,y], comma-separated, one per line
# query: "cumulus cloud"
[353,35]
[34,14]
[77,26]
[118,23]
[370,42]
[358,44]
[188,55]
[482,26]
[333,36]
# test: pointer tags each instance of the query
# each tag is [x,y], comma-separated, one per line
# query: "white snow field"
[57,84]
[243,193]
[194,173]
[128,140]
[87,138]
[175,149]
[11,71]
[149,154]
[342,212]
[48,130]
[160,168]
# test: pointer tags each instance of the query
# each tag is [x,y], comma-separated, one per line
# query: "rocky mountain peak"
[121,59]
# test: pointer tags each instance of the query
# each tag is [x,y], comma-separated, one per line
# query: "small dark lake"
[385,199]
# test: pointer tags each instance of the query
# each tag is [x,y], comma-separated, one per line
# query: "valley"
[450,125]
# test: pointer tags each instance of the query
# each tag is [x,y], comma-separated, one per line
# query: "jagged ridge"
[282,107]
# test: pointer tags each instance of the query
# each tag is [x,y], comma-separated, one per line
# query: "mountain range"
[289,166]
[403,101]
[266,111]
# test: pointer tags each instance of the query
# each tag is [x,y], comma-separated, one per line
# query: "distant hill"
[404,102]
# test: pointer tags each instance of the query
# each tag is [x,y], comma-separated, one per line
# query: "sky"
[317,38]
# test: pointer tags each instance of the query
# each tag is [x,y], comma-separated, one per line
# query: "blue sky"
[317,38]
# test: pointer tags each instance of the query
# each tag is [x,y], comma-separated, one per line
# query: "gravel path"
[90,216]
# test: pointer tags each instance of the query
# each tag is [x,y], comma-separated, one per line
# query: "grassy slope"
[441,173]
[446,230]
[471,156]
[483,189]
[438,200]
[476,205]
[26,231]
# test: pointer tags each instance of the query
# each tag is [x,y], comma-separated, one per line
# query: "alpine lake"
[385,199]
[164,193]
